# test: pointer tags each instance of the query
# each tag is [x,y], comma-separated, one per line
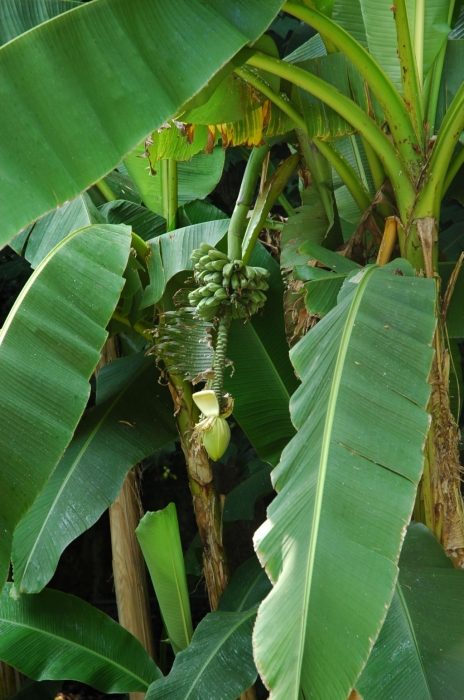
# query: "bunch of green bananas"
[226,285]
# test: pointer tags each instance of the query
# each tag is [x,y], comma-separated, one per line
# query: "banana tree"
[364,133]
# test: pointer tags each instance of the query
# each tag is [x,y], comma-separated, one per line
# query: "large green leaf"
[48,231]
[451,80]
[159,538]
[49,346]
[309,223]
[263,378]
[249,585]
[219,661]
[372,23]
[56,636]
[217,664]
[346,483]
[418,654]
[240,502]
[111,438]
[196,178]
[114,71]
[170,254]
[455,314]
[18,16]
[143,221]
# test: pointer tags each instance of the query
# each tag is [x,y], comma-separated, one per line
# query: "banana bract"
[216,438]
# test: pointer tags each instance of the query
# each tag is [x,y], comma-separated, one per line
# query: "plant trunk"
[206,501]
[10,681]
[439,501]
[129,573]
[130,579]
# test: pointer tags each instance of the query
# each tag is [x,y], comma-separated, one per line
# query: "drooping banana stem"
[220,357]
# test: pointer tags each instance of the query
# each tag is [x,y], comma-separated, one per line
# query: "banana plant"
[378,140]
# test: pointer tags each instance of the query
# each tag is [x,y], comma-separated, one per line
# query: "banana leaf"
[143,222]
[56,636]
[418,654]
[346,483]
[240,502]
[219,661]
[170,254]
[119,432]
[159,539]
[196,178]
[48,231]
[18,16]
[372,24]
[114,72]
[49,346]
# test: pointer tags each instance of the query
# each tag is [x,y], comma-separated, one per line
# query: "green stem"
[238,221]
[378,176]
[283,201]
[390,100]
[419,21]
[404,189]
[411,72]
[455,165]
[219,362]
[139,327]
[164,174]
[340,164]
[376,167]
[172,195]
[106,190]
[347,173]
[430,196]
[320,170]
[273,225]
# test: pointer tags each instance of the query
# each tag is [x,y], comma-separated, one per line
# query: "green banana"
[217,255]
[235,280]
[221,293]
[262,272]
[205,247]
[212,301]
[228,269]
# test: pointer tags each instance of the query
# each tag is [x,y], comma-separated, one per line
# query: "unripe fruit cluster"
[226,284]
